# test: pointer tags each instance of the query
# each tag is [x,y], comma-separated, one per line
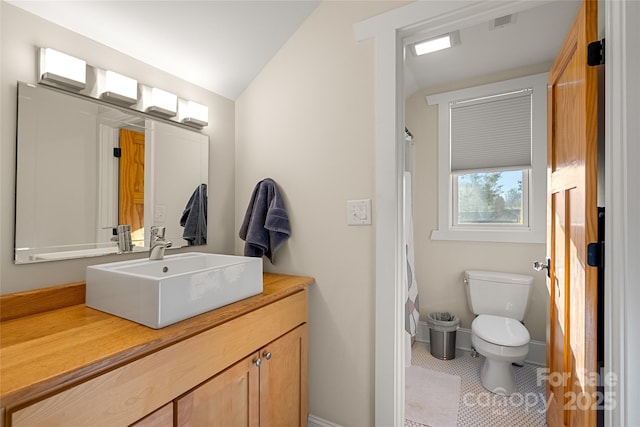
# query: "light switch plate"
[159,213]
[359,212]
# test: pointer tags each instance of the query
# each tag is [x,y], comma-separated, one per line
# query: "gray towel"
[194,217]
[266,224]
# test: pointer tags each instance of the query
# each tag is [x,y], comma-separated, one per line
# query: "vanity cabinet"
[240,365]
[268,388]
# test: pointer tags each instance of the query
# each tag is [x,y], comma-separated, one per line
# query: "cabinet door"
[163,417]
[283,380]
[228,399]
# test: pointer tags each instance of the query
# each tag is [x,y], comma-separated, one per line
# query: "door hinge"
[595,53]
[595,254]
[117,152]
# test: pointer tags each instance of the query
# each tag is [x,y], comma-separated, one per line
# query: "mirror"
[84,166]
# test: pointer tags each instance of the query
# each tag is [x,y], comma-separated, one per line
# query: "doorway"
[388,31]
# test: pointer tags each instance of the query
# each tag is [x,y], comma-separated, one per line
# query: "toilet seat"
[502,341]
[503,331]
[500,352]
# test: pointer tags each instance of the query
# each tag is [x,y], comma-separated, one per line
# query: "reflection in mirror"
[84,167]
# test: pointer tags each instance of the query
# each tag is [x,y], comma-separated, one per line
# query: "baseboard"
[313,421]
[537,349]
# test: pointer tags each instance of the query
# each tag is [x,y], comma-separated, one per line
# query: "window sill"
[493,235]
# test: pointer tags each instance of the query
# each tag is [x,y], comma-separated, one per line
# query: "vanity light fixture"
[194,114]
[120,89]
[162,103]
[72,74]
[59,68]
[435,44]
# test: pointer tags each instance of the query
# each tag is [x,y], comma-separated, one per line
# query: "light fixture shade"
[195,114]
[435,44]
[162,103]
[60,68]
[120,89]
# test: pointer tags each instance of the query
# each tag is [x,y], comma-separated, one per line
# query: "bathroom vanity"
[62,363]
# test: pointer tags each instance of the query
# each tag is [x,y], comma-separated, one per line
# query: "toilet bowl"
[500,301]
[502,341]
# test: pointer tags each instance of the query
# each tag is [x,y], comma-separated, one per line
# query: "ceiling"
[220,45]
[223,45]
[534,37]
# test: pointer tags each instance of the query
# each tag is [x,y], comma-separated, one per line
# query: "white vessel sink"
[159,293]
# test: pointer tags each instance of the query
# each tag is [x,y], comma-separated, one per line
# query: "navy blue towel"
[266,224]
[194,217]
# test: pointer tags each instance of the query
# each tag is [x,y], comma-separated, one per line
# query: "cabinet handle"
[266,355]
[257,361]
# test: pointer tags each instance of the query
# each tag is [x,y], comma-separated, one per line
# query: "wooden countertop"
[46,352]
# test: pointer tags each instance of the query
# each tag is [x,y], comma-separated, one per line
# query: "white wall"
[307,121]
[21,34]
[440,264]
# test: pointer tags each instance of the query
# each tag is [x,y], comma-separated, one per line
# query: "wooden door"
[283,380]
[572,215]
[228,399]
[131,182]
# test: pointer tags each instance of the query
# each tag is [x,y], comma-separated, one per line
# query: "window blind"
[491,132]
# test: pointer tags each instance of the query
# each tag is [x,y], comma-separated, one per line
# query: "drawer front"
[127,394]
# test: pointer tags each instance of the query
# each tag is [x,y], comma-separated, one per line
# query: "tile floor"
[477,406]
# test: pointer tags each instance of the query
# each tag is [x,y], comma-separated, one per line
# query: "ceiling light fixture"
[435,44]
[58,68]
[120,89]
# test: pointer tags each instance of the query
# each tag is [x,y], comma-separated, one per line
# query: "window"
[498,197]
[492,162]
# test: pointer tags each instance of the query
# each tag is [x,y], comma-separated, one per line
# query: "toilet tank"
[500,294]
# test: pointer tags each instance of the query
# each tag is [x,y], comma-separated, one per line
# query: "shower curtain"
[412,305]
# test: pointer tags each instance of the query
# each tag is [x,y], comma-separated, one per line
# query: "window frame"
[535,232]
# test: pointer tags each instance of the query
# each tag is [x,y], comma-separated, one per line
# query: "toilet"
[500,301]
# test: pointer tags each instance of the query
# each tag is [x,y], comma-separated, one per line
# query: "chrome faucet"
[122,235]
[158,244]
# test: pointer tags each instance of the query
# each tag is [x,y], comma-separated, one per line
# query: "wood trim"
[20,304]
[138,388]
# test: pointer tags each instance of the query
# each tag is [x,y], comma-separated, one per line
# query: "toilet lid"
[500,330]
